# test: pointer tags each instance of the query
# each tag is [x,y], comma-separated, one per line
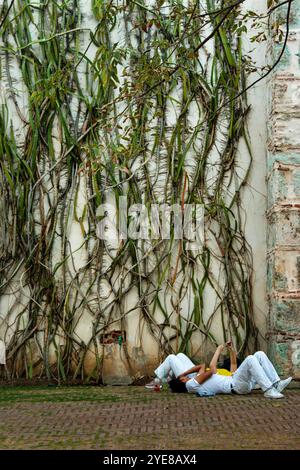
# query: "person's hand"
[221,347]
[229,345]
[181,375]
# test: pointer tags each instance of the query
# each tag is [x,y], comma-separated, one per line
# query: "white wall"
[255,192]
[254,205]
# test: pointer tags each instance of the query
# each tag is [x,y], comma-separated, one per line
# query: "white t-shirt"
[215,384]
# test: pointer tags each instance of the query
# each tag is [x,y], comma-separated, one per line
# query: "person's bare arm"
[200,368]
[201,378]
[233,361]
[215,358]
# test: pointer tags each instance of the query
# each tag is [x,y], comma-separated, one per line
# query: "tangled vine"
[136,99]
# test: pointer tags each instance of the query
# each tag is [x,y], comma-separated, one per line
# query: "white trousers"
[255,369]
[173,366]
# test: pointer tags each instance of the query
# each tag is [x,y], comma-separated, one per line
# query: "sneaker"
[154,384]
[282,384]
[273,393]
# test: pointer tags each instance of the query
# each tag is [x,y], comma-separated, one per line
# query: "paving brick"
[165,421]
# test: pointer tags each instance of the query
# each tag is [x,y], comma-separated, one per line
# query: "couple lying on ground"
[255,371]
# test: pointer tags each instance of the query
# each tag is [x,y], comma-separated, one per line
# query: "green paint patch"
[296,182]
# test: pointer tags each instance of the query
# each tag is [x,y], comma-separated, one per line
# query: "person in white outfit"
[184,376]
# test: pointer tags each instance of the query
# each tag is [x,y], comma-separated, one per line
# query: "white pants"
[255,369]
[173,366]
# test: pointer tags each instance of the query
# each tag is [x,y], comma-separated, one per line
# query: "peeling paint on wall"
[283,214]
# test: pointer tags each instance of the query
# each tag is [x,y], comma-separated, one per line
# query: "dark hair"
[226,363]
[177,386]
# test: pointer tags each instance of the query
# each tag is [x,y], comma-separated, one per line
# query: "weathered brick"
[284,184]
[284,352]
[284,228]
[283,271]
[290,158]
[284,121]
[285,315]
[286,96]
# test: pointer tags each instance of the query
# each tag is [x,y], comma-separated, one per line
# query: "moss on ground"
[79,393]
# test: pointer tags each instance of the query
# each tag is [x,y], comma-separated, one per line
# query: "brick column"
[283,214]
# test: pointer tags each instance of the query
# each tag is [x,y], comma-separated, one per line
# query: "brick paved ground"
[135,418]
